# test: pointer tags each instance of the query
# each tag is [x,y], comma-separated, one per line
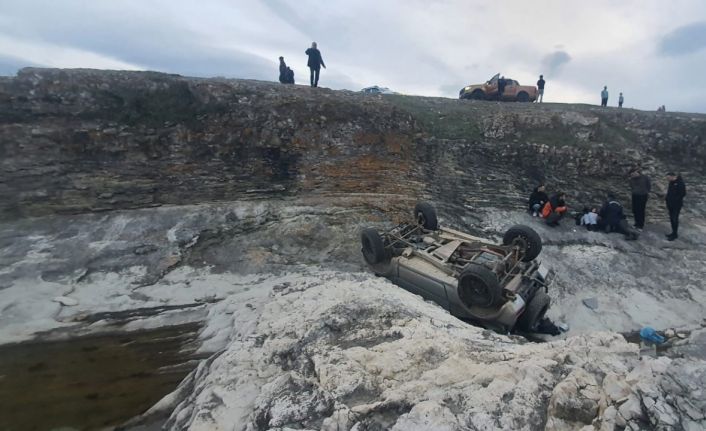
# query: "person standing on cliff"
[540,89]
[315,63]
[640,187]
[676,190]
[502,83]
[282,71]
[620,100]
[604,96]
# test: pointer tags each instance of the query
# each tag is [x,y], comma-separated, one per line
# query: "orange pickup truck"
[514,92]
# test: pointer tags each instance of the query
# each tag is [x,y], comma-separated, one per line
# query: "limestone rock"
[352,352]
[65,300]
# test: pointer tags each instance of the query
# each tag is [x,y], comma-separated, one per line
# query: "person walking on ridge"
[315,63]
[540,89]
[604,96]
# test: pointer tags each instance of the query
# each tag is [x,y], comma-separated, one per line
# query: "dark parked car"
[498,285]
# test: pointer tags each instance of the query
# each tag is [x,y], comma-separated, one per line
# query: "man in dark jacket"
[315,63]
[640,187]
[613,218]
[537,200]
[675,198]
[502,83]
[540,89]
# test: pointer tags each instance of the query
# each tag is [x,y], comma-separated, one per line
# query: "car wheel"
[373,248]
[528,240]
[534,312]
[425,215]
[479,286]
[478,95]
[523,97]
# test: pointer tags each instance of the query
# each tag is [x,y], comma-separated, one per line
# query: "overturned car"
[498,286]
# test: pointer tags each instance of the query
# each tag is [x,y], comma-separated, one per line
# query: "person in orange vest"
[555,209]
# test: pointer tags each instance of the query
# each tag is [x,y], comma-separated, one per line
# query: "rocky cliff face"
[83,140]
[262,190]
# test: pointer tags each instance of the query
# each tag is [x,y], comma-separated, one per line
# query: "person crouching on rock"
[590,219]
[555,209]
[286,75]
[537,200]
[613,219]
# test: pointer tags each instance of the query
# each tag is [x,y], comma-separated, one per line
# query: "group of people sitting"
[609,218]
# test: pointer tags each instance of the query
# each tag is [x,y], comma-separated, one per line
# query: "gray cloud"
[684,40]
[551,63]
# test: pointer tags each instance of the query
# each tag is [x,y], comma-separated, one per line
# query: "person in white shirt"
[590,220]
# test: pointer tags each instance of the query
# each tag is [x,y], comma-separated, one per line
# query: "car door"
[510,89]
[424,285]
[491,87]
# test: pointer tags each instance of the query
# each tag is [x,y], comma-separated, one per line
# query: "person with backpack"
[676,191]
[315,63]
[540,89]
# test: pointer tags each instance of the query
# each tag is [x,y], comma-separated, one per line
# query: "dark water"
[91,382]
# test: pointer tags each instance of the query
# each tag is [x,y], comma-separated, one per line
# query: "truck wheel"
[478,95]
[523,97]
[373,248]
[534,312]
[528,240]
[425,215]
[479,286]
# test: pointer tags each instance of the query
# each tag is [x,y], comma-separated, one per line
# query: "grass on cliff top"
[460,119]
[443,118]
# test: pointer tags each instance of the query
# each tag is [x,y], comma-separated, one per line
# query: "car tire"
[373,247]
[529,239]
[479,286]
[478,95]
[425,215]
[522,97]
[534,312]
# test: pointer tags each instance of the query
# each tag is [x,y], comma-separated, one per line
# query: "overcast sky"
[654,51]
